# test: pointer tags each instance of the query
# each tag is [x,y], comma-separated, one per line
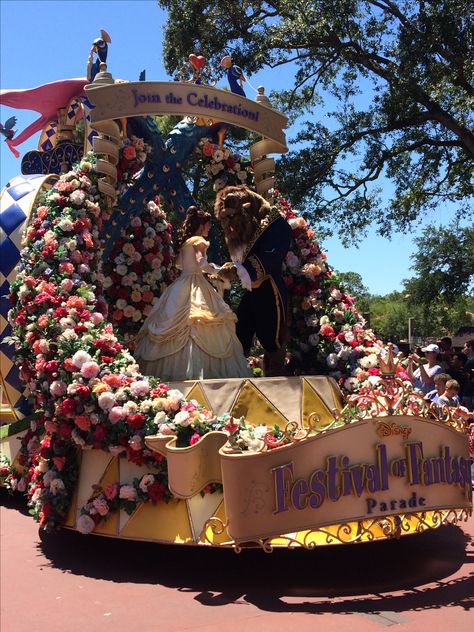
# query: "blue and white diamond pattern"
[16,202]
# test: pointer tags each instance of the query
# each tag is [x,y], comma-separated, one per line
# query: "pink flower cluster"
[222,167]
[82,380]
[327,333]
[149,488]
[139,268]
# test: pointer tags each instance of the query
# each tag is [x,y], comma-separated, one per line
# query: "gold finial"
[262,98]
[387,363]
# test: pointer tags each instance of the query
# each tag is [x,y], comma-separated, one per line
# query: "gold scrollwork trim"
[369,530]
[392,397]
[217,528]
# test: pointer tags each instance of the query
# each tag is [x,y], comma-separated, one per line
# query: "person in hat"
[422,377]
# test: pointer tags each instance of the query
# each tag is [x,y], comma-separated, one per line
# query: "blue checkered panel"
[48,136]
[90,133]
[72,111]
[16,202]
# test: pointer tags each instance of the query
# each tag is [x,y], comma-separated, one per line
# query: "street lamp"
[410,329]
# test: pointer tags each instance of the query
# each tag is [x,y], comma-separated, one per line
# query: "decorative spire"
[387,363]
[262,97]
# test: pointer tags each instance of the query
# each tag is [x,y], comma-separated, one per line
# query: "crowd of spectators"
[443,375]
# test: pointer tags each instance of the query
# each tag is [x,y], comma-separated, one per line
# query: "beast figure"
[258,239]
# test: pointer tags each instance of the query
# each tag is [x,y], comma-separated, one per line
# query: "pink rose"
[96,318]
[194,439]
[106,400]
[139,388]
[58,388]
[111,491]
[183,418]
[116,414]
[67,285]
[164,429]
[90,370]
[101,506]
[135,443]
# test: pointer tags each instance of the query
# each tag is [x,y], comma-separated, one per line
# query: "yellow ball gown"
[190,332]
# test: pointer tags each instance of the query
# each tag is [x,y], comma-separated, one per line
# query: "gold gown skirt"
[190,334]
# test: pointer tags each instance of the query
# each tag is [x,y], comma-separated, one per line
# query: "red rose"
[45,448]
[99,433]
[65,430]
[68,406]
[47,509]
[160,391]
[299,288]
[135,456]
[21,319]
[82,390]
[51,367]
[156,491]
[136,421]
[60,312]
[137,267]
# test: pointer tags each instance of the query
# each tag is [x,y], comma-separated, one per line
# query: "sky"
[50,40]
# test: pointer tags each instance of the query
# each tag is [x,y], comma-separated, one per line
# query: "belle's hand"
[228,272]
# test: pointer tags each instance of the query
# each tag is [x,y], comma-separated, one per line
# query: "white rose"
[85,524]
[160,418]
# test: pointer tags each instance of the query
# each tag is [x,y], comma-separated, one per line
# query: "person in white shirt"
[422,378]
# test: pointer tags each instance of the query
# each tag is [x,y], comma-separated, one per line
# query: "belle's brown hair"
[195,217]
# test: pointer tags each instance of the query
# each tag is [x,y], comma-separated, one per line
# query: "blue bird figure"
[100,47]
[235,75]
[7,129]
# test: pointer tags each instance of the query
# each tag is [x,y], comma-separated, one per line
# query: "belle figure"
[190,332]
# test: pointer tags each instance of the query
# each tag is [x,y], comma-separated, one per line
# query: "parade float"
[342,451]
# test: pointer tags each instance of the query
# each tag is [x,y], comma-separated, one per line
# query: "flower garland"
[327,333]
[114,497]
[132,156]
[223,167]
[139,269]
[85,386]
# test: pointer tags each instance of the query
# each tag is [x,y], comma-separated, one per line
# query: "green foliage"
[391,82]
[389,316]
[444,265]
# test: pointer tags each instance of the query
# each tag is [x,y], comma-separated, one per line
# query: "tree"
[398,75]
[444,266]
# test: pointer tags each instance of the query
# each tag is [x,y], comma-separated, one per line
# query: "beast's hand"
[228,272]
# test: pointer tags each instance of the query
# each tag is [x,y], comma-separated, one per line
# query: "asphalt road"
[67,582]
